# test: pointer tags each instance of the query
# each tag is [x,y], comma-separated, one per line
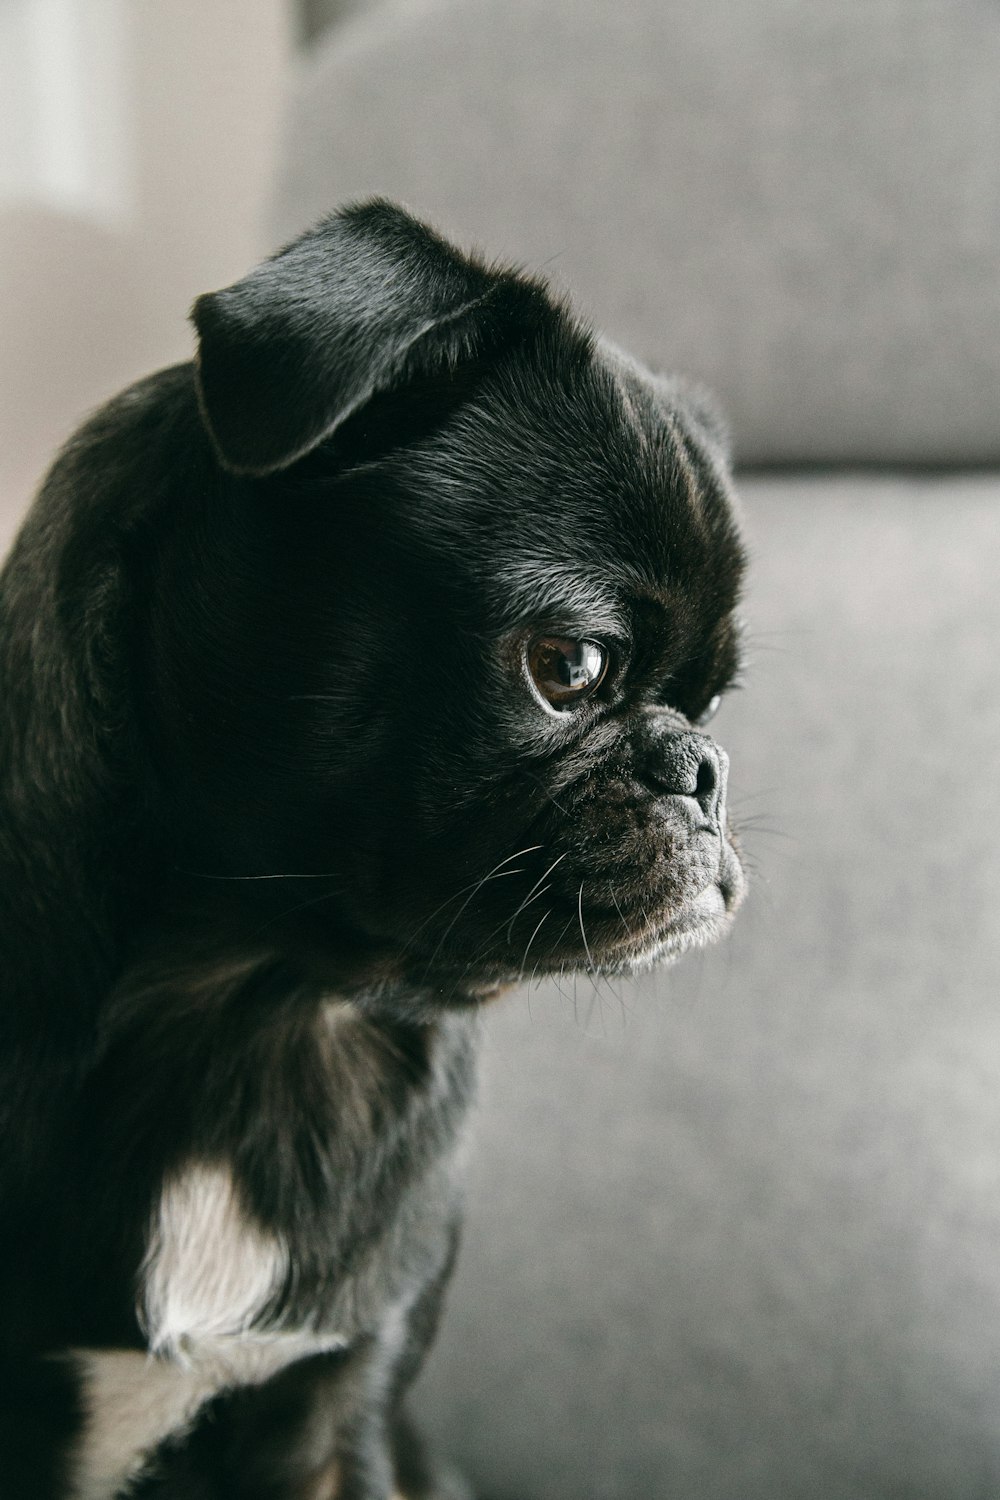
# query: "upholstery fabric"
[798,203]
[734,1228]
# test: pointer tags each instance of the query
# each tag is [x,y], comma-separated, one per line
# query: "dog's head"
[433,664]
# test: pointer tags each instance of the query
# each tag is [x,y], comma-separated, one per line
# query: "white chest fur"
[209,1271]
[208,1275]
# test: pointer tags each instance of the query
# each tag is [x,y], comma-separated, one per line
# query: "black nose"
[690,765]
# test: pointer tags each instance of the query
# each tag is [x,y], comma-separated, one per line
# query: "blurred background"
[734,1228]
[138,148]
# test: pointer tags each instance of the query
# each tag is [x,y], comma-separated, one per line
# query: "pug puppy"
[349,674]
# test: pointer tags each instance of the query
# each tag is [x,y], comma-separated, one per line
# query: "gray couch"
[734,1229]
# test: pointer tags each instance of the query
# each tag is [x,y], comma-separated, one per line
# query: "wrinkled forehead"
[579,485]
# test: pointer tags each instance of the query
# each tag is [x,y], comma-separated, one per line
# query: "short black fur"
[281,806]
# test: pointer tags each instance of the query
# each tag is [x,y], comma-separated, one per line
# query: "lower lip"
[707,907]
[708,903]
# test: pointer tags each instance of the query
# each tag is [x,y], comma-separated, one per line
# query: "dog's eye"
[565,671]
[710,712]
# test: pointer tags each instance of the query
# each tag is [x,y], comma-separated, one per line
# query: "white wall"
[137,145]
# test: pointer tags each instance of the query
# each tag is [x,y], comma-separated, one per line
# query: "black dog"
[347,675]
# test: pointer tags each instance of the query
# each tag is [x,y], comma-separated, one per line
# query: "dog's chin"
[648,930]
[702,921]
[698,921]
[421,989]
[656,936]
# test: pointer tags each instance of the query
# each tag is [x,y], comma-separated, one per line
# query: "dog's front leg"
[310,1432]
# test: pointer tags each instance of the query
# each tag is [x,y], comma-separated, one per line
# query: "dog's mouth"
[702,920]
[644,924]
[570,913]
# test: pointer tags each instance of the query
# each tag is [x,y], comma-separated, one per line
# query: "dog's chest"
[319,1228]
[210,1276]
[212,1273]
[228,1298]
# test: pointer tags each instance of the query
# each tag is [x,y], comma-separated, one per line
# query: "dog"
[350,674]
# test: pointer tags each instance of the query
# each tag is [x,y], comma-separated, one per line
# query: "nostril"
[707,780]
[685,764]
[688,765]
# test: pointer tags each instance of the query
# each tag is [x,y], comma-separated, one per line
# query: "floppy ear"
[366,302]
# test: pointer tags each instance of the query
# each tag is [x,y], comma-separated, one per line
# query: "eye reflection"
[564,670]
[709,713]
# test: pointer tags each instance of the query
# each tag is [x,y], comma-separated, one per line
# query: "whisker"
[552,950]
[595,999]
[647,923]
[744,799]
[497,873]
[598,978]
[523,907]
[766,638]
[544,789]
[560,934]
[206,875]
[473,886]
[531,894]
[583,933]
[288,911]
[471,896]
[527,948]
[761,825]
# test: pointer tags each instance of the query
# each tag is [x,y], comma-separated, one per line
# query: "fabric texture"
[734,1227]
[798,204]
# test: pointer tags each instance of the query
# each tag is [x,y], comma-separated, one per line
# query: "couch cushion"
[735,1229]
[800,204]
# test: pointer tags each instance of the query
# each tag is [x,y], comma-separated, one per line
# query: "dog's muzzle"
[683,763]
